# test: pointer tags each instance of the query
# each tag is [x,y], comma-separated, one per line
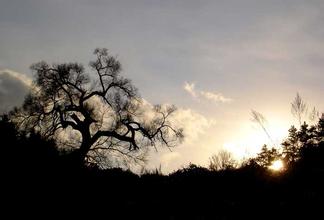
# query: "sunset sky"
[215,60]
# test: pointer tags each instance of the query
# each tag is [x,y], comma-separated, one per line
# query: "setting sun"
[276,165]
[249,139]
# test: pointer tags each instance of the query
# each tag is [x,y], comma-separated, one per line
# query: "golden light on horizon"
[248,140]
[277,165]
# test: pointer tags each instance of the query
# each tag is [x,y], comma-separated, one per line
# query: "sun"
[249,139]
[277,165]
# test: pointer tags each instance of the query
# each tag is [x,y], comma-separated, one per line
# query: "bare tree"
[221,161]
[298,108]
[314,115]
[103,112]
[259,119]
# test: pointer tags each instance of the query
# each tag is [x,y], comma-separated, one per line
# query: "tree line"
[60,145]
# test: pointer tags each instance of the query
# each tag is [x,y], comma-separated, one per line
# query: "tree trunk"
[83,151]
[86,144]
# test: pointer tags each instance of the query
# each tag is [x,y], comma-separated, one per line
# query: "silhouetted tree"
[298,108]
[267,156]
[21,152]
[103,112]
[320,129]
[259,119]
[291,146]
[307,134]
[314,115]
[312,149]
[221,161]
[234,191]
[297,140]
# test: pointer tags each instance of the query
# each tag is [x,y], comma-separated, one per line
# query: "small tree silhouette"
[320,129]
[267,156]
[104,110]
[221,161]
[299,108]
[291,146]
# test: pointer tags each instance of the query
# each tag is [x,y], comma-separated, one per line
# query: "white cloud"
[190,88]
[217,97]
[192,122]
[198,145]
[201,94]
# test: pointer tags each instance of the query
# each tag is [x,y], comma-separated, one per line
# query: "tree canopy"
[305,139]
[99,114]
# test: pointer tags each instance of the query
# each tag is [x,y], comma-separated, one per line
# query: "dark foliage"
[37,178]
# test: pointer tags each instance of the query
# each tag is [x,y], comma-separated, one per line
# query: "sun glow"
[277,165]
[249,139]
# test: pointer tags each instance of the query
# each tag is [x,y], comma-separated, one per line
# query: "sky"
[215,60]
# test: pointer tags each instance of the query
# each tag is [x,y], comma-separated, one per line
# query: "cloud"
[217,97]
[190,88]
[193,123]
[13,89]
[18,76]
[197,146]
[213,96]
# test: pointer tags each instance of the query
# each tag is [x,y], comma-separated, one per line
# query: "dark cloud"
[13,89]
